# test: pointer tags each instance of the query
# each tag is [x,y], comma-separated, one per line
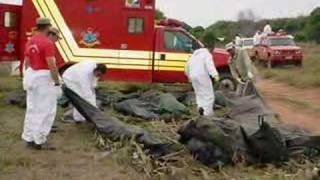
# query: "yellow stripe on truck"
[61,44]
[135,54]
[43,11]
[171,63]
[53,12]
[171,69]
[112,66]
[135,62]
[174,56]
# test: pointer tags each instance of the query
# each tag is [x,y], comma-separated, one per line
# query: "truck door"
[173,49]
[9,32]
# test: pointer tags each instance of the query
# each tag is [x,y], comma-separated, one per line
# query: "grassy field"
[79,157]
[307,76]
[76,158]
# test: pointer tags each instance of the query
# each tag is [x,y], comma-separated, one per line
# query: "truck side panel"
[9,31]
[102,31]
[119,35]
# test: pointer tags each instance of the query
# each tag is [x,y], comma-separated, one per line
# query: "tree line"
[303,28]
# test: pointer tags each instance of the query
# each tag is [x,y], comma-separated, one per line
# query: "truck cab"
[176,45]
[278,49]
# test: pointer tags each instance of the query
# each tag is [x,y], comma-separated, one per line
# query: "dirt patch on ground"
[294,106]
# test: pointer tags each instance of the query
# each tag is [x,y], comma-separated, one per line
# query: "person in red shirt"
[41,82]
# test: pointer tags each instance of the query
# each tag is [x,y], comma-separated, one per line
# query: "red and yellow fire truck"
[123,34]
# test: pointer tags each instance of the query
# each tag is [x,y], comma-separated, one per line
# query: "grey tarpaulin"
[104,98]
[189,98]
[217,142]
[115,129]
[152,105]
[138,108]
[186,98]
[210,140]
[167,102]
[239,136]
[16,98]
[110,98]
[242,136]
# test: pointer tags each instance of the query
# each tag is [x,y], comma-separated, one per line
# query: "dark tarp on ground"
[241,135]
[110,98]
[215,142]
[169,104]
[189,98]
[114,129]
[17,98]
[186,98]
[152,105]
[138,108]
[166,102]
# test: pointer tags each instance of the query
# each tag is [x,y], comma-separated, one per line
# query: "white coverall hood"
[267,29]
[199,68]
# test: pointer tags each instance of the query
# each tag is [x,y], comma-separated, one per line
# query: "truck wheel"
[254,58]
[299,64]
[227,83]
[260,62]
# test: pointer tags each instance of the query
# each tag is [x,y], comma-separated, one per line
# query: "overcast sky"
[206,12]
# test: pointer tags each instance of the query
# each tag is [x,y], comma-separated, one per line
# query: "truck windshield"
[177,41]
[282,42]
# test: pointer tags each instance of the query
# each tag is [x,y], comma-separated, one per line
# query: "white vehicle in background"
[245,43]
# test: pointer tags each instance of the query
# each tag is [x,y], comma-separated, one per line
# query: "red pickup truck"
[278,49]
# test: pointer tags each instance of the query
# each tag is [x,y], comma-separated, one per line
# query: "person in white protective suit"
[41,81]
[257,38]
[267,29]
[200,68]
[238,40]
[82,78]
